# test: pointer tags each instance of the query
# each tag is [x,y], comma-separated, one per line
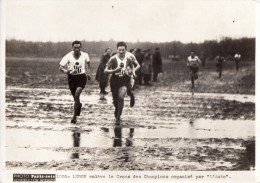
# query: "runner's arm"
[88,68]
[108,69]
[188,62]
[64,70]
[216,59]
[199,61]
[63,63]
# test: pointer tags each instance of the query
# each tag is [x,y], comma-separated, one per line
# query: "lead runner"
[76,62]
[122,67]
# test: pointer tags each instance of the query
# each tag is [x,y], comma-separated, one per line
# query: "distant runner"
[193,63]
[219,59]
[237,60]
[122,67]
[77,63]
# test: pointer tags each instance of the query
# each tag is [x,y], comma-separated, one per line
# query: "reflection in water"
[118,137]
[105,129]
[124,154]
[129,140]
[76,143]
[102,99]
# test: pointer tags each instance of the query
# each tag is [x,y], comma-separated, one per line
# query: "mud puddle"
[193,128]
[232,97]
[40,145]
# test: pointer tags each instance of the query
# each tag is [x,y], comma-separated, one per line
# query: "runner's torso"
[220,59]
[237,57]
[77,66]
[126,62]
[193,61]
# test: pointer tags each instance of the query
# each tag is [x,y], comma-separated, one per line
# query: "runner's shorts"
[117,82]
[194,69]
[76,81]
[219,65]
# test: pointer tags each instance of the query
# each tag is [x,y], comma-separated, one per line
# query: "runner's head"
[121,48]
[157,49]
[192,53]
[76,45]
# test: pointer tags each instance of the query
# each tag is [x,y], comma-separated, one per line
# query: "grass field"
[43,72]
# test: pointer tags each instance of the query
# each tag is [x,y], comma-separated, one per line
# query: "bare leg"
[77,104]
[120,104]
[192,82]
[115,101]
[220,73]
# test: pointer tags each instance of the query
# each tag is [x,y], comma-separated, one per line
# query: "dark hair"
[157,48]
[131,50]
[121,43]
[76,42]
[108,49]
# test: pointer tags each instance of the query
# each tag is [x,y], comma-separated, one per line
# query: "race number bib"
[122,72]
[77,68]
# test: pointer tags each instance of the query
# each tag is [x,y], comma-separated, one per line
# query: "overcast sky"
[143,20]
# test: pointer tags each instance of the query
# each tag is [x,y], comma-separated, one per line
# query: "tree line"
[175,49]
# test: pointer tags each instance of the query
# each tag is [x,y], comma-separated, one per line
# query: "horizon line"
[134,42]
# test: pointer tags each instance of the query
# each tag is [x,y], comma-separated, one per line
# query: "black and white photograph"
[157,87]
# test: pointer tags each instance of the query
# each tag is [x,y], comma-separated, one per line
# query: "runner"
[193,64]
[219,59]
[121,66]
[76,62]
[237,60]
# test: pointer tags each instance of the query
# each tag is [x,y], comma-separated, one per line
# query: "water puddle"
[92,97]
[58,96]
[34,155]
[40,145]
[236,97]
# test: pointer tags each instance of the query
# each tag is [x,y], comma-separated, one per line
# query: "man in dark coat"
[156,64]
[147,67]
[102,77]
[139,57]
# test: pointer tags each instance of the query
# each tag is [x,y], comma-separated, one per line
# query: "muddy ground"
[168,128]
[201,132]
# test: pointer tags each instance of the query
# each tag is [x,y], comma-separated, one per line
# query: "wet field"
[169,128]
[164,131]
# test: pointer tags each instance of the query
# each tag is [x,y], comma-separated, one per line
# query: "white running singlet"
[76,66]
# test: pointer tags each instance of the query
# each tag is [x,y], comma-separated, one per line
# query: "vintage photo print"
[129,91]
